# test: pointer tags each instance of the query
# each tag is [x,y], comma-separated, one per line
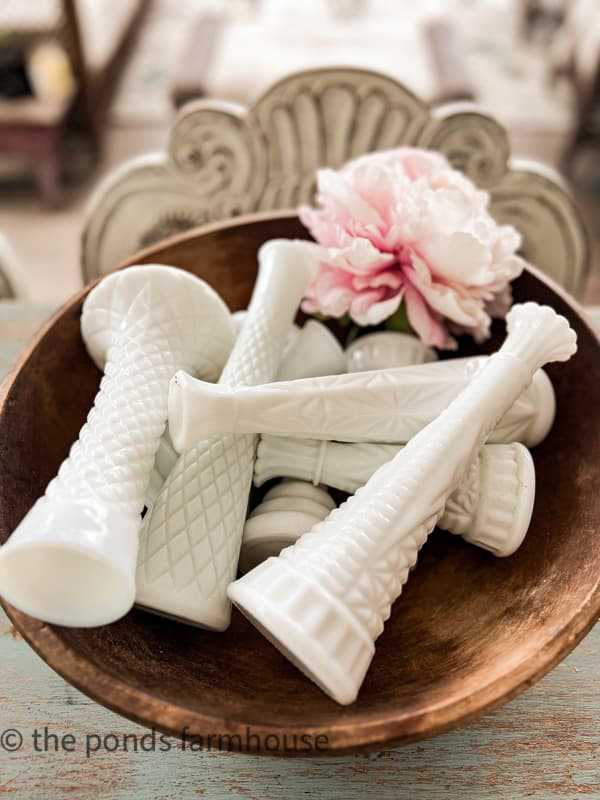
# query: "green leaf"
[343,321]
[399,321]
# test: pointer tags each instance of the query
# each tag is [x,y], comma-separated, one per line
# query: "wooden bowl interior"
[469,630]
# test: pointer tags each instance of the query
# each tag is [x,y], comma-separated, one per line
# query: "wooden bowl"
[469,632]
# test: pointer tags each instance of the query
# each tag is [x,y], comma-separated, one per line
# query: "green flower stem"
[397,322]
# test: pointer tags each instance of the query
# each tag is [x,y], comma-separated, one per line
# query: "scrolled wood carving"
[223,160]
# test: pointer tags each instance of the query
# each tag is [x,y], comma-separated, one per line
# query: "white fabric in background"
[253,55]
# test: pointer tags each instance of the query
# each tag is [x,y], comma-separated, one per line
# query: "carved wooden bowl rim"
[372,732]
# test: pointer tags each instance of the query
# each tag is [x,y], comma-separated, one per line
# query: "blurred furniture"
[541,18]
[33,130]
[223,160]
[199,50]
[95,34]
[95,38]
[447,52]
[576,57]
[101,35]
[444,52]
[11,273]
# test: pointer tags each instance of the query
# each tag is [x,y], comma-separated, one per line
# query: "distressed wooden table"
[545,744]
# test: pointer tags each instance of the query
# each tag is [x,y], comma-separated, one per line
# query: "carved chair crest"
[223,160]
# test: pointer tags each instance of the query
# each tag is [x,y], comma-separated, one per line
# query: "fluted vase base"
[311,627]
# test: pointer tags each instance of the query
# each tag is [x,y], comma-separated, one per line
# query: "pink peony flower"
[403,226]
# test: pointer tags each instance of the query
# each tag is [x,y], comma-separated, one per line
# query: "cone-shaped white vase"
[324,600]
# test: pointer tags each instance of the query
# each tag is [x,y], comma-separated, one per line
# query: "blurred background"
[87,84]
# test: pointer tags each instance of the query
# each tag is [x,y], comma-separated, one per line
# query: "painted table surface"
[545,744]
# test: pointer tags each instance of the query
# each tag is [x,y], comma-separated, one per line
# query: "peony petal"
[342,195]
[428,325]
[359,257]
[500,303]
[325,230]
[371,311]
[458,257]
[456,303]
[390,278]
[448,210]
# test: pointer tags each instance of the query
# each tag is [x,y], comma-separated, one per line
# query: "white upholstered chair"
[223,160]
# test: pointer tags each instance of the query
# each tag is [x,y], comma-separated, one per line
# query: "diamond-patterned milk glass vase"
[71,560]
[103,324]
[325,599]
[164,461]
[190,541]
